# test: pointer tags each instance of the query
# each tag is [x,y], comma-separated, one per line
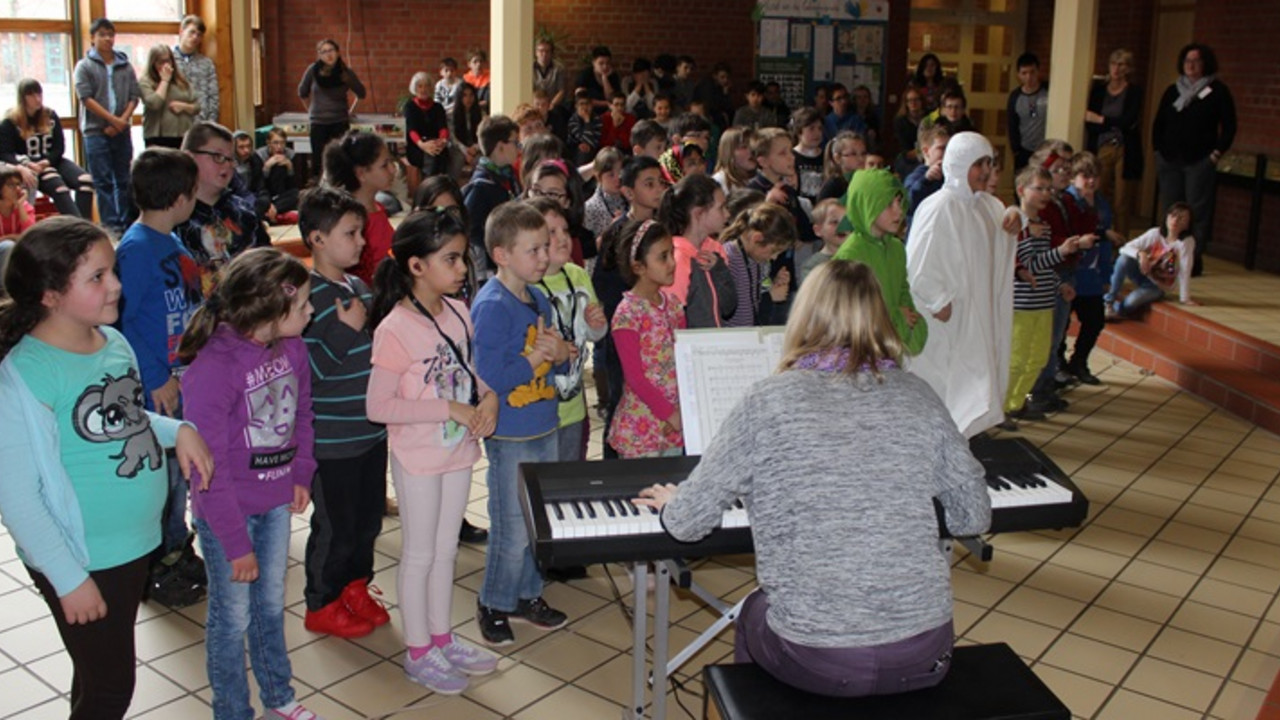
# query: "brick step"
[1240,349]
[1212,372]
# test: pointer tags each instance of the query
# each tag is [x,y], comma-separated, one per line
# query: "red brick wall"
[400,37]
[1243,41]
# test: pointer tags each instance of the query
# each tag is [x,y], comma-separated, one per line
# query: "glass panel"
[154,10]
[934,37]
[34,9]
[979,82]
[981,39]
[43,56]
[979,116]
[257,71]
[937,4]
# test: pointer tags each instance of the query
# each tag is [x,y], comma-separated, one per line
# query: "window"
[146,10]
[42,56]
[33,10]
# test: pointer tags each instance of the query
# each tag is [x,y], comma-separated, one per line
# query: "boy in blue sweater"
[160,293]
[516,350]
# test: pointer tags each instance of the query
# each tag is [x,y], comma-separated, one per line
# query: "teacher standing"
[1113,133]
[325,89]
[1195,125]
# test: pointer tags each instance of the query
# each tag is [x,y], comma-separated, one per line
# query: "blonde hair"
[824,207]
[840,307]
[732,139]
[831,163]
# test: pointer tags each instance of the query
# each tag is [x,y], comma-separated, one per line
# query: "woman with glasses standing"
[1194,126]
[169,103]
[906,128]
[324,90]
[1112,132]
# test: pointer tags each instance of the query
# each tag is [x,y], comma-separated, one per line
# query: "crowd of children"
[589,232]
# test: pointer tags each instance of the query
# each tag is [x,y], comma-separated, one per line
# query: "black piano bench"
[986,682]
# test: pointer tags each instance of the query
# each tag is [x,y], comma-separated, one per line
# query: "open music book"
[714,369]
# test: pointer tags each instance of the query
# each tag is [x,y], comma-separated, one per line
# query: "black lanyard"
[566,325]
[464,360]
[754,281]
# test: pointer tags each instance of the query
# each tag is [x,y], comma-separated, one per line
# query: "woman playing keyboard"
[838,457]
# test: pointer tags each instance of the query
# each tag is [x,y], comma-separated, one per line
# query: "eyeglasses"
[556,195]
[840,98]
[218,158]
[1061,171]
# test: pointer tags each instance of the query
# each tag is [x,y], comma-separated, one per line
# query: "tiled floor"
[1163,605]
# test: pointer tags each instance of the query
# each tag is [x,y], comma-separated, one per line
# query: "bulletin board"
[804,43]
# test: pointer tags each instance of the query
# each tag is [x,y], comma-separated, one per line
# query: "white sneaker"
[292,711]
[434,672]
[469,659]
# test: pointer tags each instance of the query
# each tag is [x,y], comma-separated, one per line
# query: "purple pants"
[917,662]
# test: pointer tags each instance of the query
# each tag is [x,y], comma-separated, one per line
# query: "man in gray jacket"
[108,90]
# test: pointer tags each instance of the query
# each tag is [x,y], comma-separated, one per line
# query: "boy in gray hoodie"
[108,90]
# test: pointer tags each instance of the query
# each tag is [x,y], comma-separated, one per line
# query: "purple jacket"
[253,406]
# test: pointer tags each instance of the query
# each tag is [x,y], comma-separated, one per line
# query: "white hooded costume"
[958,254]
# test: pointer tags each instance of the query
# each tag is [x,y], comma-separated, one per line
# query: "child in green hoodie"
[873,211]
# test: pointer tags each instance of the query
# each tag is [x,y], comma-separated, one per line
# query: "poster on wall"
[789,74]
[773,37]
[823,48]
[800,33]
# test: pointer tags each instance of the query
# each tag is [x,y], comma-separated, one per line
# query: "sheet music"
[714,369]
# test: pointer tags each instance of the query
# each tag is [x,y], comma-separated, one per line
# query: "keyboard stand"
[662,667]
[979,549]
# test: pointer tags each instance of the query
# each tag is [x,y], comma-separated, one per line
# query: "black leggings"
[59,180]
[321,135]
[1090,310]
[102,652]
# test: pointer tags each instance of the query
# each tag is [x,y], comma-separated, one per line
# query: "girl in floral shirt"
[647,422]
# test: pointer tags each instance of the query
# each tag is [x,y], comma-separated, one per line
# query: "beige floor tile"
[187,706]
[1090,658]
[1109,626]
[21,608]
[328,708]
[512,689]
[439,707]
[977,588]
[1249,575]
[1238,702]
[1267,638]
[1195,651]
[31,641]
[1255,669]
[1145,502]
[1253,551]
[23,690]
[1178,557]
[153,690]
[1230,596]
[571,704]
[568,656]
[1223,500]
[187,667]
[1139,601]
[1118,518]
[1028,639]
[1191,536]
[1158,577]
[1091,561]
[1214,622]
[165,635]
[1082,694]
[1212,518]
[1247,487]
[1111,540]
[327,661]
[1172,489]
[1245,468]
[1043,607]
[611,680]
[1126,705]
[55,709]
[377,690]
[1030,545]
[56,670]
[1174,683]
[964,615]
[1066,582]
[1262,529]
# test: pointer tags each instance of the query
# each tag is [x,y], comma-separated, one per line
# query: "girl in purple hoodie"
[248,387]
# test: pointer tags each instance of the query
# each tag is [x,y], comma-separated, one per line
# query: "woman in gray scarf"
[1195,124]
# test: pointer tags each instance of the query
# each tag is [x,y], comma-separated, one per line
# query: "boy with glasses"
[842,115]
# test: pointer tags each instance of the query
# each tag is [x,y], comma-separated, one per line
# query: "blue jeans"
[569,442]
[255,608]
[1145,290]
[109,159]
[510,573]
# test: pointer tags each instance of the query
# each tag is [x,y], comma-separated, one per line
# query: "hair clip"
[556,163]
[1050,159]
[639,238]
[289,289]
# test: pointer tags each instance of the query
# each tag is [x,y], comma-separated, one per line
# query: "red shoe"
[287,218]
[359,599]
[336,619]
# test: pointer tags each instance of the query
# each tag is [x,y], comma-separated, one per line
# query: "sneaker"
[170,588]
[292,711]
[1030,410]
[1112,315]
[434,672]
[189,565]
[495,626]
[335,619]
[358,597]
[471,534]
[538,613]
[469,659]
[1088,378]
[1008,425]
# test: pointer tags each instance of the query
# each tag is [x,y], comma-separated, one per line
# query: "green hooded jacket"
[870,193]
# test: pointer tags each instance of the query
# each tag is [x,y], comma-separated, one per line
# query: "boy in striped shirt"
[350,487]
[1035,290]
